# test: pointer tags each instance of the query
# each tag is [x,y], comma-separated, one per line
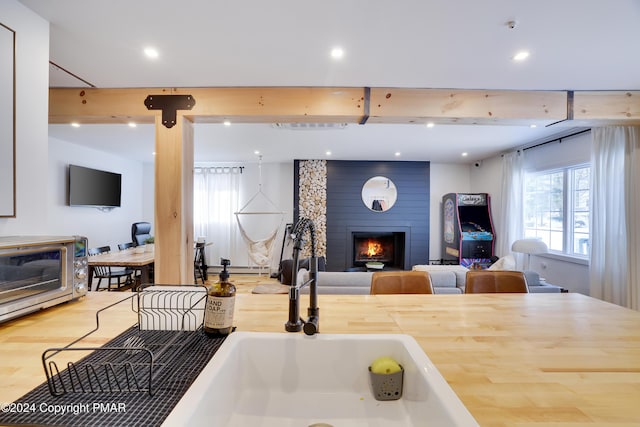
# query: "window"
[556,209]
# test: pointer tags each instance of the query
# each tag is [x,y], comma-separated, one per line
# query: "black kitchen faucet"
[295,323]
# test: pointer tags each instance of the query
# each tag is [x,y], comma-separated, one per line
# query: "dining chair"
[106,272]
[137,274]
[123,246]
[495,281]
[401,282]
[140,231]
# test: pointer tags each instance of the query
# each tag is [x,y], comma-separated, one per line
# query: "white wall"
[148,194]
[32,94]
[101,228]
[571,151]
[487,178]
[277,185]
[445,178]
[572,275]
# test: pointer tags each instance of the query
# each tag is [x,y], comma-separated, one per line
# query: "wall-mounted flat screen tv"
[92,187]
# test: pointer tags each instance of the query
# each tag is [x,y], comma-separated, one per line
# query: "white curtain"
[632,199]
[615,206]
[511,207]
[215,199]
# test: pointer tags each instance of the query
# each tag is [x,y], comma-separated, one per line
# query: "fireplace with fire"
[384,247]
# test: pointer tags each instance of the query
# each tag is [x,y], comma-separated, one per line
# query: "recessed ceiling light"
[533,126]
[430,125]
[521,56]
[337,53]
[256,152]
[328,153]
[132,124]
[75,124]
[465,154]
[151,53]
[226,123]
[397,154]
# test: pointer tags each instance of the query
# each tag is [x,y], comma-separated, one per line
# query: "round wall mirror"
[379,194]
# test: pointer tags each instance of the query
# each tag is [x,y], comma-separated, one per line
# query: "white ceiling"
[465,44]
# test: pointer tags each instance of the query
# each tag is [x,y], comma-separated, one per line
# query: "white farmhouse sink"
[283,379]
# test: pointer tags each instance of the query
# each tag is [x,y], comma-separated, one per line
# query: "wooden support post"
[174,202]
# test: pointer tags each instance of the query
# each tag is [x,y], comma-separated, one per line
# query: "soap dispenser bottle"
[218,314]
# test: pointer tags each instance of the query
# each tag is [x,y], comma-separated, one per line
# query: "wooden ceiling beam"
[249,105]
[606,108]
[95,106]
[451,106]
[277,104]
[354,105]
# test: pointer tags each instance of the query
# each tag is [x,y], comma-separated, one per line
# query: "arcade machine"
[468,230]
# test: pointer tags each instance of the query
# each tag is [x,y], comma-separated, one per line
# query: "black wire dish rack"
[139,360]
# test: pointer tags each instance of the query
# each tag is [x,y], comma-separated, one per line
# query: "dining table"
[128,258]
[542,360]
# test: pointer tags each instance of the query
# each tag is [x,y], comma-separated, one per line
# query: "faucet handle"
[311,326]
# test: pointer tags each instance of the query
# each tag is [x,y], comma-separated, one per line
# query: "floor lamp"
[529,246]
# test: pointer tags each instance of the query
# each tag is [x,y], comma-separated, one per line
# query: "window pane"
[580,226]
[543,209]
[581,222]
[556,220]
[556,241]
[581,189]
[581,200]
[581,178]
[556,190]
[556,208]
[581,244]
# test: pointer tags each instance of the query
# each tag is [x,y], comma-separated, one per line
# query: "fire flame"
[374,248]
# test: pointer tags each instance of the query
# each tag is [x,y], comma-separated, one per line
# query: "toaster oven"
[37,272]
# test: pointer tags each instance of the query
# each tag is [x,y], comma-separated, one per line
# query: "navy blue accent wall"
[346,213]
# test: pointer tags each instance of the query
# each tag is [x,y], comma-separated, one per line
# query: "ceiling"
[465,44]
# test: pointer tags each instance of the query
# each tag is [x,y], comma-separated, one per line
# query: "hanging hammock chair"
[259,249]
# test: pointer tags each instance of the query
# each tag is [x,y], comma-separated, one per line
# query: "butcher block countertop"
[513,359]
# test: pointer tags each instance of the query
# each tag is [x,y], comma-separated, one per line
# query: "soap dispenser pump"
[218,315]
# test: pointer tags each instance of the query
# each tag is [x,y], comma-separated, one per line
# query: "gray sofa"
[538,285]
[445,281]
[534,282]
[359,282]
[338,282]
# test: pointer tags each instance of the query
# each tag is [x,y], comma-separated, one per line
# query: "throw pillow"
[505,263]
